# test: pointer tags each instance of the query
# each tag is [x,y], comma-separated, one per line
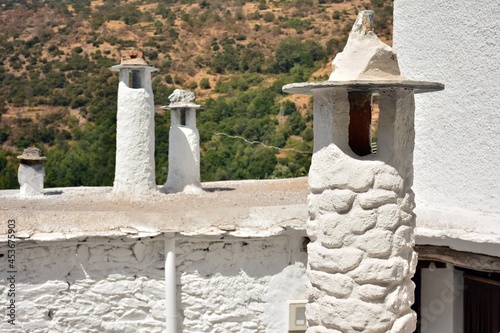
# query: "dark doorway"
[417,279]
[481,304]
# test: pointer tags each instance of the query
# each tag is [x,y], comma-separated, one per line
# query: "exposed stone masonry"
[92,285]
[360,258]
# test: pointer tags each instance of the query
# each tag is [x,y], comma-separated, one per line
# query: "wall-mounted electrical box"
[297,316]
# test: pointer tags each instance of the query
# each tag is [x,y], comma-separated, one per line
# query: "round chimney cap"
[32,154]
[182,105]
[364,86]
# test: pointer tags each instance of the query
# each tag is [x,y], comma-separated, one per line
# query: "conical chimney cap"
[365,64]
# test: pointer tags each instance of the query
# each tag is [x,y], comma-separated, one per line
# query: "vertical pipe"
[170,284]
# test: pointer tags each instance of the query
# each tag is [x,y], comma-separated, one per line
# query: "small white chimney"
[31,173]
[135,137]
[184,145]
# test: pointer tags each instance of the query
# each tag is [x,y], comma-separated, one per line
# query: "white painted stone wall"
[240,285]
[135,139]
[457,152]
[117,284]
[99,285]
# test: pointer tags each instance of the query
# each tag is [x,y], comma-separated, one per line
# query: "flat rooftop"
[246,208]
[249,208]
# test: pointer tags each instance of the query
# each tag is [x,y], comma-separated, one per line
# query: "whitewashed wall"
[101,285]
[457,150]
[240,285]
[117,284]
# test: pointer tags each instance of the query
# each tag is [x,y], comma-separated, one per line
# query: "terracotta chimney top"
[133,57]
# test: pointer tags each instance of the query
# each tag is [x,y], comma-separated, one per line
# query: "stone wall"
[98,284]
[360,256]
[240,285]
[91,285]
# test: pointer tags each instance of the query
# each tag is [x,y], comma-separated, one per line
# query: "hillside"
[58,93]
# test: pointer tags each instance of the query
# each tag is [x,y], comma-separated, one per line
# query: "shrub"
[268,17]
[288,108]
[204,83]
[377,3]
[298,24]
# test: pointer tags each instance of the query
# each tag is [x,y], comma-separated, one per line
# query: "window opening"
[183,117]
[374,121]
[360,117]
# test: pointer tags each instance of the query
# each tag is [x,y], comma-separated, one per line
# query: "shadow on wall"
[218,189]
[254,258]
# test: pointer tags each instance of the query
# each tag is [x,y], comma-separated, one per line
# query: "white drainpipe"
[170,284]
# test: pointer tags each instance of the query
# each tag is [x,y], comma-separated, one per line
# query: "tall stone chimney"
[184,144]
[135,138]
[361,220]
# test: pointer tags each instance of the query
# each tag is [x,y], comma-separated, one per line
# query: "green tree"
[292,51]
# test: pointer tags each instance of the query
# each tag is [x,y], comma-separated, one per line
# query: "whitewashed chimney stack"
[31,173]
[184,144]
[361,220]
[135,135]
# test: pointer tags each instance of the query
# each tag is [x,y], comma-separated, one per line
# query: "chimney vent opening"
[183,117]
[134,79]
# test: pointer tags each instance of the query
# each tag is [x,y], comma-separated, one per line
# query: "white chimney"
[135,138]
[184,145]
[361,220]
[31,173]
